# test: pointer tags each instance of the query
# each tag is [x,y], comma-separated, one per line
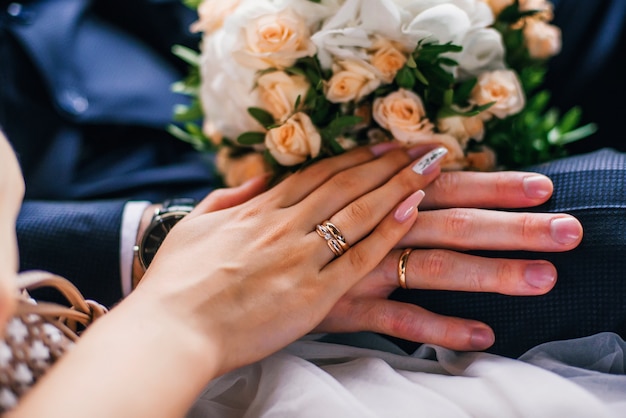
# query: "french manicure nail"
[383,147]
[537,187]
[406,208]
[482,338]
[428,162]
[540,275]
[565,231]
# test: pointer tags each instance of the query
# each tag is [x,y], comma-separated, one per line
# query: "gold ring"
[402,263]
[333,236]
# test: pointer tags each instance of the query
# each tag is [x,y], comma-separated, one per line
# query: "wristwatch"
[161,223]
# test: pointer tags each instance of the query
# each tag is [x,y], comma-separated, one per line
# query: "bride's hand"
[254,277]
[448,225]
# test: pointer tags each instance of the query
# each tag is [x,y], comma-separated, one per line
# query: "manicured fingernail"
[565,231]
[537,187]
[482,338]
[419,150]
[540,275]
[429,162]
[383,147]
[406,208]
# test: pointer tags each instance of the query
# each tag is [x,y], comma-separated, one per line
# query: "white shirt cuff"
[133,211]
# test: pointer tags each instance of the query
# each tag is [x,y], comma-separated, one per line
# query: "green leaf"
[463,91]
[188,55]
[251,138]
[192,4]
[570,120]
[405,78]
[344,122]
[264,117]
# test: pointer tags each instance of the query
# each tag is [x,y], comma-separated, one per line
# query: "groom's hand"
[447,224]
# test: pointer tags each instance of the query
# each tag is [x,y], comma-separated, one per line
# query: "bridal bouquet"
[282,83]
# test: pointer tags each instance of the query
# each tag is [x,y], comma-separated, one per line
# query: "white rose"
[295,141]
[542,39]
[462,22]
[275,39]
[279,91]
[226,88]
[402,113]
[502,87]
[483,50]
[349,33]
[351,81]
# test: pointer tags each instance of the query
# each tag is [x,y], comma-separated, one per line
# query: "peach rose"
[237,170]
[402,113]
[275,40]
[352,80]
[546,8]
[497,6]
[483,160]
[211,14]
[543,40]
[502,87]
[279,91]
[463,128]
[294,141]
[387,58]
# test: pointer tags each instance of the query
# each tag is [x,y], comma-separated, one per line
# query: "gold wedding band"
[402,263]
[334,238]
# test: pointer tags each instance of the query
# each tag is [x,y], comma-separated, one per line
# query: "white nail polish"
[429,160]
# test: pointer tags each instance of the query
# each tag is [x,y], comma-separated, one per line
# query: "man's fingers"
[413,323]
[478,229]
[488,190]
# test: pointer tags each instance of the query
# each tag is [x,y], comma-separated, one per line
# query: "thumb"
[228,197]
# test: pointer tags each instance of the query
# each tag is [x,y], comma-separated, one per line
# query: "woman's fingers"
[449,270]
[360,216]
[478,229]
[506,189]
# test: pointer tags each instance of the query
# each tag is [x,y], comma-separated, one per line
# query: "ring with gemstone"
[334,238]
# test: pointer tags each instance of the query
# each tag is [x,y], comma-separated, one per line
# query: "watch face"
[155,234]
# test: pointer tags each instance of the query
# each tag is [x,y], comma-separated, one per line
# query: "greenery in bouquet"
[281,83]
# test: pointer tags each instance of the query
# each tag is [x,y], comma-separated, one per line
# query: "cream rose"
[542,39]
[279,91]
[351,81]
[211,14]
[402,113]
[237,170]
[388,58]
[275,40]
[294,141]
[497,6]
[463,128]
[501,87]
[483,160]
[546,9]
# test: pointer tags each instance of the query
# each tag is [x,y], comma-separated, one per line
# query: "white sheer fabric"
[314,379]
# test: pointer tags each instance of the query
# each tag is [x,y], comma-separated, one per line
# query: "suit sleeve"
[80,241]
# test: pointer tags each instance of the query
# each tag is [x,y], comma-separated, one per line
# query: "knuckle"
[448,183]
[504,273]
[432,264]
[343,181]
[529,226]
[458,224]
[358,212]
[359,259]
[474,278]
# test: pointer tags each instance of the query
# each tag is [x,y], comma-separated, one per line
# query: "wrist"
[137,268]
